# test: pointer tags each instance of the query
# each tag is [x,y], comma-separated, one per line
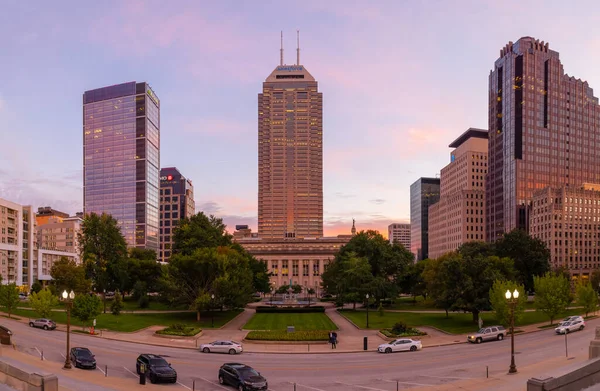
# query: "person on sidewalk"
[335,341]
[331,340]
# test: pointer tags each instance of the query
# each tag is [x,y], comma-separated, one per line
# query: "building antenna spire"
[298,49]
[281,50]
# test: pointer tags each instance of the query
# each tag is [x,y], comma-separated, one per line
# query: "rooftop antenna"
[281,50]
[298,49]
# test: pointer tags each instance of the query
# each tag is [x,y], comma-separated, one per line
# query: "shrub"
[287,310]
[178,326]
[282,335]
[180,330]
[380,310]
[410,332]
[117,305]
[144,301]
[399,328]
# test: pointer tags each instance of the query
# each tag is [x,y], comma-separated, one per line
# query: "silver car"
[567,327]
[45,324]
[230,347]
[571,319]
[488,334]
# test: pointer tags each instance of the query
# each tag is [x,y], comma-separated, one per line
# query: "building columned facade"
[121,144]
[544,126]
[567,219]
[459,216]
[399,233]
[423,193]
[290,155]
[176,203]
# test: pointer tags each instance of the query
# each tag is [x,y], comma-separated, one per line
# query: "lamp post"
[512,301]
[68,297]
[212,312]
[367,296]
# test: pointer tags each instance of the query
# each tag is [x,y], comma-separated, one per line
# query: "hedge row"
[186,332]
[282,335]
[409,333]
[287,310]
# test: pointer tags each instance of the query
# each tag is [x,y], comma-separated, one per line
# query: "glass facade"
[423,193]
[121,143]
[543,128]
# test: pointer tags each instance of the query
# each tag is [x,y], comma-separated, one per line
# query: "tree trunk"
[446,312]
[104,300]
[475,316]
[198,316]
[354,306]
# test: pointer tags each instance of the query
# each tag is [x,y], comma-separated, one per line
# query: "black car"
[243,377]
[156,368]
[83,358]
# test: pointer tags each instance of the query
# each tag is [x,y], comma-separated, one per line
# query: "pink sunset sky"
[400,81]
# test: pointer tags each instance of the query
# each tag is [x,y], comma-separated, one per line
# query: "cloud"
[209,208]
[377,201]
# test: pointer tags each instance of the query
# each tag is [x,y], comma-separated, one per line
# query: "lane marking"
[128,370]
[448,377]
[309,387]
[409,383]
[40,353]
[211,382]
[356,385]
[183,385]
[100,369]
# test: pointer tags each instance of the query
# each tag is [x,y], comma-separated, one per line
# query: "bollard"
[142,378]
[365,343]
[308,347]
[294,386]
[487,372]
[42,355]
[106,371]
[397,385]
[193,385]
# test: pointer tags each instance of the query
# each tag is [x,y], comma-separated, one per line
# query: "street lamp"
[512,301]
[367,296]
[212,311]
[68,297]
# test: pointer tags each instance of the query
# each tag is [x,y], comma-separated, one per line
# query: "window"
[295,268]
[284,268]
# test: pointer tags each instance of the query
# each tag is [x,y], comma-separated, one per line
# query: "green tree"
[595,280]
[587,297]
[86,307]
[260,274]
[36,287]
[439,282]
[67,275]
[142,254]
[146,270]
[500,304]
[9,297]
[103,250]
[530,255]
[387,263]
[42,302]
[199,231]
[117,305]
[552,294]
[412,281]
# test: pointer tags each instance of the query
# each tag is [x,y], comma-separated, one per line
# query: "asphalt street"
[318,372]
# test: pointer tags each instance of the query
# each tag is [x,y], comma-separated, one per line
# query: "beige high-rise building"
[459,216]
[399,233]
[59,234]
[567,219]
[290,155]
[17,242]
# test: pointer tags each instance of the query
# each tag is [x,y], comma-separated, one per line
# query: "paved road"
[319,372]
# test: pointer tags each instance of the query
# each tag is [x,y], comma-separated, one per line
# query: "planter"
[178,336]
[415,337]
[258,341]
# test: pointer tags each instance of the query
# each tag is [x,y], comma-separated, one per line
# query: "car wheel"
[231,351]
[500,337]
[413,348]
[221,380]
[388,350]
[206,350]
[241,387]
[478,340]
[46,327]
[152,379]
[30,324]
[566,331]
[581,328]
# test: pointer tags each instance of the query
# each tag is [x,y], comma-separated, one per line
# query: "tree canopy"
[552,294]
[199,231]
[67,275]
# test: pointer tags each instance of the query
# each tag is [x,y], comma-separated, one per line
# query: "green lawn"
[128,305]
[301,321]
[133,322]
[456,323]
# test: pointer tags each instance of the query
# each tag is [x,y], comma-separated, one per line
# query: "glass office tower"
[423,193]
[121,160]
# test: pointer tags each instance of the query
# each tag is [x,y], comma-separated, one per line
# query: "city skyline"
[208,92]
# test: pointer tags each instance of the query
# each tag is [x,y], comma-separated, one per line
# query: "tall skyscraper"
[176,202]
[423,193]
[459,216]
[121,144]
[543,129]
[290,154]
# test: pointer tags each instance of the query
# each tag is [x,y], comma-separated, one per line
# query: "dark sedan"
[83,358]
[242,377]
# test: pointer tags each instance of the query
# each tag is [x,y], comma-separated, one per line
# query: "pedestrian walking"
[331,340]
[335,341]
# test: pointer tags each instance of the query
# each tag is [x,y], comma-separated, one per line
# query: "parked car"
[242,377]
[23,296]
[83,358]
[488,334]
[156,368]
[230,347]
[567,327]
[399,345]
[43,323]
[571,319]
